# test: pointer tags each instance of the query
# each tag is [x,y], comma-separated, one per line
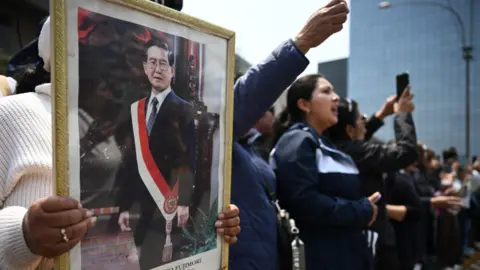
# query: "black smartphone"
[403,80]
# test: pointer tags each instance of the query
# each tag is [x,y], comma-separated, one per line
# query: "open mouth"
[335,110]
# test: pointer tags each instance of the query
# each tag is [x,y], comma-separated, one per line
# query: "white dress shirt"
[160,98]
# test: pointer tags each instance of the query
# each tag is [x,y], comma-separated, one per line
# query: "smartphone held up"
[403,80]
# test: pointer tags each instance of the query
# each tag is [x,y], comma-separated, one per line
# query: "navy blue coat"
[320,187]
[255,92]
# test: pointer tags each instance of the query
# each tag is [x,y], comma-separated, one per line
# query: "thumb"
[406,92]
[374,197]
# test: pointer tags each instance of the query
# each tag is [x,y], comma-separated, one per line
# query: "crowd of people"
[359,202]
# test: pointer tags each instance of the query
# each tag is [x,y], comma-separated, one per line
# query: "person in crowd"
[421,201]
[255,92]
[404,208]
[261,135]
[34,224]
[377,162]
[426,183]
[7,86]
[320,185]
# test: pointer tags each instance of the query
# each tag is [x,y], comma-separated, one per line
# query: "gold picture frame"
[59,10]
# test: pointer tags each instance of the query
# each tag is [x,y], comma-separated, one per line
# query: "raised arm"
[261,86]
[378,157]
[376,121]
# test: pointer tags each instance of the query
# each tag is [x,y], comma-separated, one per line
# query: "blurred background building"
[337,73]
[423,39]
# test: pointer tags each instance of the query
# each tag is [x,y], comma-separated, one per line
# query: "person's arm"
[371,156]
[376,121]
[373,125]
[396,212]
[298,188]
[25,176]
[14,251]
[406,204]
[260,87]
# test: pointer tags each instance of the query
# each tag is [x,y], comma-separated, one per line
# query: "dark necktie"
[153,115]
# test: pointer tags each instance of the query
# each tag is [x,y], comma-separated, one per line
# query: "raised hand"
[405,103]
[322,24]
[387,108]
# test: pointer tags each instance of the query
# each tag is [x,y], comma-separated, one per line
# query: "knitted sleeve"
[25,172]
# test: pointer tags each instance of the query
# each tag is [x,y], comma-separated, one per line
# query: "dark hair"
[450,153]
[347,115]
[160,44]
[27,56]
[302,88]
[29,76]
[430,155]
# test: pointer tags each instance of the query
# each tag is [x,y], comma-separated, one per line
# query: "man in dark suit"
[158,173]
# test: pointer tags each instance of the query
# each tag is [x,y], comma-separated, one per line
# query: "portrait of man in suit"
[158,174]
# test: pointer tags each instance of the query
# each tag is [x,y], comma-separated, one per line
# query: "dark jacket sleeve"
[299,192]
[372,126]
[377,157]
[406,195]
[260,87]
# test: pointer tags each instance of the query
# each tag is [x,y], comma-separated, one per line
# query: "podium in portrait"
[143,100]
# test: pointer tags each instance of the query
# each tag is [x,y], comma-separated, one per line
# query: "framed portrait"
[143,108]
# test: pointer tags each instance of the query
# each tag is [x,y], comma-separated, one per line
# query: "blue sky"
[260,25]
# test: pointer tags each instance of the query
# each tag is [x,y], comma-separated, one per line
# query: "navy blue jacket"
[255,92]
[320,187]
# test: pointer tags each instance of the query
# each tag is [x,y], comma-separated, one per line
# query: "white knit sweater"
[25,170]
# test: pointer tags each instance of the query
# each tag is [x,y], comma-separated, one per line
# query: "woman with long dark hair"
[318,184]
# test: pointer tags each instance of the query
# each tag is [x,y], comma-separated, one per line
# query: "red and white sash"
[165,198]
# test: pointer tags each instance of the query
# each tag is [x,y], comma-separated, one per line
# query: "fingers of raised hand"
[56,204]
[391,99]
[332,3]
[406,92]
[338,18]
[337,8]
[66,218]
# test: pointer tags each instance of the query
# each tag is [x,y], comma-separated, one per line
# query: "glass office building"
[423,40]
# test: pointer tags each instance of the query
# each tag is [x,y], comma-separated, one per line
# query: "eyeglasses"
[153,64]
